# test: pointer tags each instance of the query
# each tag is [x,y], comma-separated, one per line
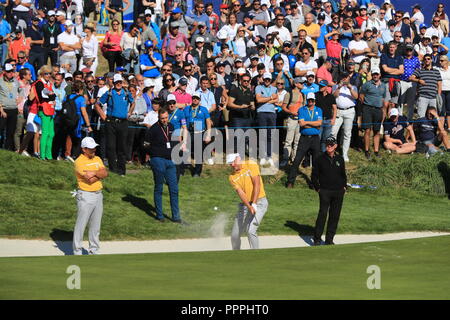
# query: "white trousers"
[344,118]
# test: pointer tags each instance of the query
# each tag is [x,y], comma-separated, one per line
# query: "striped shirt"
[431,77]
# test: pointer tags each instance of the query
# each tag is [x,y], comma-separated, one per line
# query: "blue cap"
[323,83]
[423,25]
[1,13]
[118,69]
[148,44]
[177,10]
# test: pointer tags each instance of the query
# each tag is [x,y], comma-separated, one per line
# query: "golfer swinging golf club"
[246,180]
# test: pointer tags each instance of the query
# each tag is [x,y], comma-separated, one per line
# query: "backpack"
[69,115]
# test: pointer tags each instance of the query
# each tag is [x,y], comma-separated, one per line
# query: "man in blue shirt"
[391,70]
[5,30]
[198,15]
[266,96]
[120,106]
[408,88]
[22,62]
[178,120]
[198,120]
[151,61]
[310,120]
[310,86]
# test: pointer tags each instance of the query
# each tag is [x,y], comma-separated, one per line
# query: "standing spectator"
[435,29]
[208,38]
[136,129]
[50,31]
[171,40]
[417,17]
[260,20]
[213,18]
[307,65]
[282,32]
[207,99]
[59,142]
[423,48]
[198,15]
[21,11]
[392,68]
[5,32]
[169,87]
[159,136]
[20,43]
[407,87]
[89,170]
[373,95]
[295,18]
[150,61]
[89,45]
[37,51]
[111,45]
[69,44]
[310,120]
[201,54]
[120,105]
[330,181]
[25,86]
[130,42]
[9,93]
[246,180]
[445,75]
[266,96]
[324,73]
[363,17]
[430,83]
[115,9]
[22,62]
[187,25]
[312,29]
[327,102]
[358,48]
[394,133]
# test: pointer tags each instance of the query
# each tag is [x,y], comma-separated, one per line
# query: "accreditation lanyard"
[173,114]
[311,114]
[166,135]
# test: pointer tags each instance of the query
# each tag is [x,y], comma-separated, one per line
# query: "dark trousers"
[10,128]
[116,140]
[53,55]
[59,142]
[100,138]
[114,58]
[267,121]
[37,59]
[198,159]
[330,205]
[244,124]
[135,138]
[305,144]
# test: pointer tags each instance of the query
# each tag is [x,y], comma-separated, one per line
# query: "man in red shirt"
[324,73]
[362,16]
[213,18]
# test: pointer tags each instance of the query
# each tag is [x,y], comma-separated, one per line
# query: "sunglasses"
[245,80]
[46,73]
[305,53]
[187,70]
[90,81]
[166,69]
[442,60]
[115,24]
[212,78]
[170,79]
[236,5]
[280,83]
[196,98]
[427,58]
[436,20]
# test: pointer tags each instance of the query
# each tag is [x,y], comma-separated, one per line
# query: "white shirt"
[432,31]
[129,42]
[241,48]
[419,19]
[151,118]
[300,65]
[345,99]
[68,39]
[358,45]
[22,8]
[445,79]
[283,33]
[421,49]
[191,86]
[231,31]
[90,48]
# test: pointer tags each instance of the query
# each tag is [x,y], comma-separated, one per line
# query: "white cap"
[200,39]
[51,13]
[68,23]
[375,70]
[8,67]
[310,73]
[265,2]
[60,13]
[231,157]
[363,6]
[393,112]
[387,1]
[147,11]
[222,34]
[241,71]
[171,97]
[117,77]
[311,95]
[406,15]
[89,143]
[267,76]
[68,75]
[149,83]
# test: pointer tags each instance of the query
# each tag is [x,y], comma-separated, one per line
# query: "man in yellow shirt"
[89,170]
[312,30]
[246,180]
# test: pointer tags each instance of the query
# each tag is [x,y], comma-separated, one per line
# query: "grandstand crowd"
[373,77]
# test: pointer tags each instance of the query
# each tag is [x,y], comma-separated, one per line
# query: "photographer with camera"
[130,44]
[280,32]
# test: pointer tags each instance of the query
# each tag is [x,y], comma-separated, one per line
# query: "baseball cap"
[267,76]
[231,157]
[196,94]
[200,39]
[393,112]
[89,143]
[299,80]
[117,77]
[323,83]
[417,6]
[357,31]
[311,96]
[265,3]
[118,69]
[8,67]
[287,44]
[249,15]
[330,141]
[423,25]
[375,70]
[310,73]
[409,46]
[183,81]
[176,10]
[321,16]
[68,75]
[171,97]
[148,12]
[391,23]
[363,7]
[68,23]
[224,6]
[51,13]
[34,18]
[406,15]
[254,57]
[238,60]
[60,13]
[349,8]
[149,83]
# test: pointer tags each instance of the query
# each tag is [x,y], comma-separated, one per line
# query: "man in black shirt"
[327,102]
[431,131]
[394,133]
[330,181]
[159,140]
[37,51]
[51,30]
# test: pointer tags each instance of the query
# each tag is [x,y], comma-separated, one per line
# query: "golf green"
[409,269]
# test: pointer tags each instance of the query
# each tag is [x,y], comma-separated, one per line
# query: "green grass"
[36,203]
[410,269]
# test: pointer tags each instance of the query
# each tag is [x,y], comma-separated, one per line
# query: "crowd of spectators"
[373,71]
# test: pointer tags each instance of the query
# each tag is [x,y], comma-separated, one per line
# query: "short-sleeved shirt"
[396,130]
[242,179]
[358,45]
[207,98]
[310,88]
[118,103]
[374,95]
[197,117]
[241,97]
[326,104]
[310,115]
[410,66]
[392,62]
[178,120]
[70,39]
[265,92]
[83,164]
[324,74]
[431,77]
[345,99]
[35,35]
[427,129]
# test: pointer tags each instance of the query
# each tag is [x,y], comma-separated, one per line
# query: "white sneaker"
[26,154]
[346,159]
[270,162]
[59,158]
[262,161]
[69,158]
[210,161]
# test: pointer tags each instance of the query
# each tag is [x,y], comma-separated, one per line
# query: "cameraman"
[130,43]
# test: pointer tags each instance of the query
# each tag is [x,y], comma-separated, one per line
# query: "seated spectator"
[394,133]
[431,131]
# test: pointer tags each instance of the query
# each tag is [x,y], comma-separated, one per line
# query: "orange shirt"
[23,44]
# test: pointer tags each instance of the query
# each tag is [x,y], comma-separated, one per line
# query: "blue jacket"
[145,60]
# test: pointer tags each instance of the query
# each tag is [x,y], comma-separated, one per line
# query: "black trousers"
[305,144]
[10,128]
[116,145]
[53,55]
[37,60]
[114,58]
[135,139]
[198,159]
[330,205]
[59,141]
[100,138]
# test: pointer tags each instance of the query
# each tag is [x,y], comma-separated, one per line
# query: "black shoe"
[182,222]
[316,243]
[367,154]
[377,154]
[329,243]
[162,220]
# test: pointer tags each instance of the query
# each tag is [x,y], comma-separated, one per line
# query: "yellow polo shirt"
[311,29]
[83,164]
[242,179]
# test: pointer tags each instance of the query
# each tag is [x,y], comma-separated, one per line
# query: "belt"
[98,191]
[294,117]
[310,136]
[371,106]
[346,108]
[114,119]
